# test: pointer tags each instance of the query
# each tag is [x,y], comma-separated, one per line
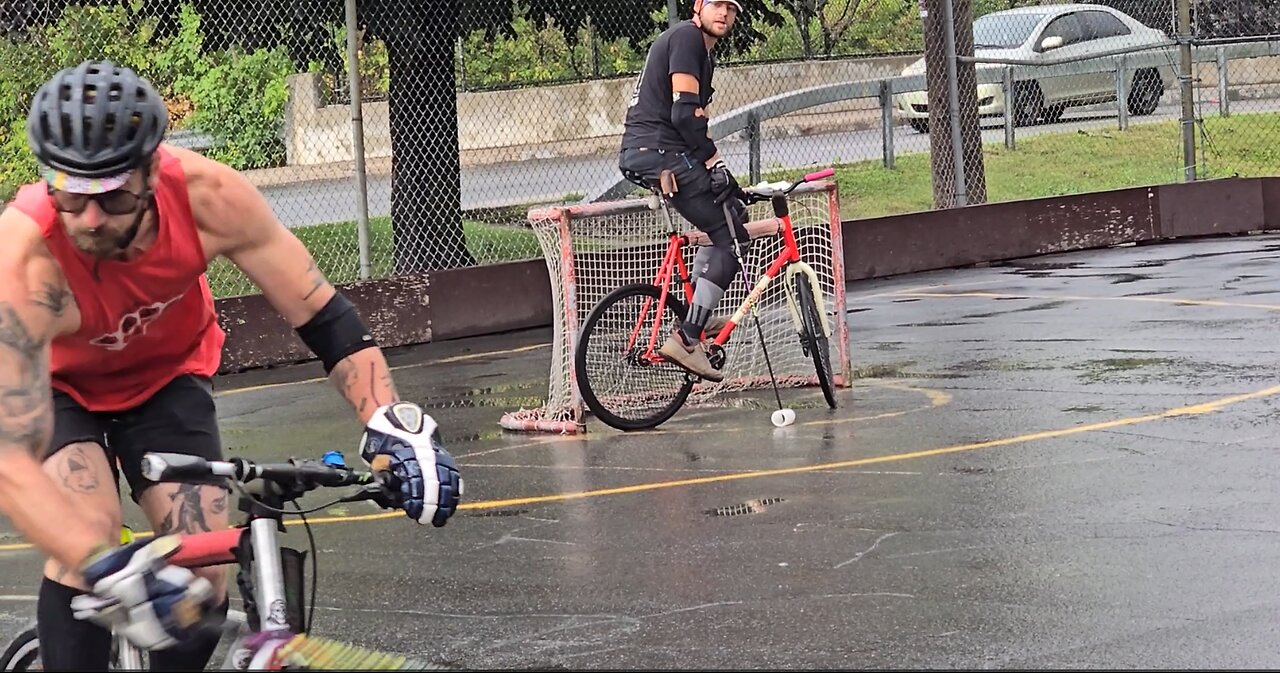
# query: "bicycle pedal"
[717,356]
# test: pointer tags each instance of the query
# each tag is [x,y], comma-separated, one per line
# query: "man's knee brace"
[718,265]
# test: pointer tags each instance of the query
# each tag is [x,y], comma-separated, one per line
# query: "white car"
[1054,32]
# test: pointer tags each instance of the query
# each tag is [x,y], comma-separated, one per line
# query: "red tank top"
[143,322]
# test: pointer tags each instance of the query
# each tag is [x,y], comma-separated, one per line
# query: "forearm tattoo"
[363,386]
[25,398]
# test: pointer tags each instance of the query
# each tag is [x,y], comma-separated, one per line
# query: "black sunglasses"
[114,202]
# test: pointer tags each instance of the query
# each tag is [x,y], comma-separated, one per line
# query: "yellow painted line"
[445,361]
[1192,410]
[1064,297]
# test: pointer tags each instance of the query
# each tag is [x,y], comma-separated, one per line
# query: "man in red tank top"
[108,342]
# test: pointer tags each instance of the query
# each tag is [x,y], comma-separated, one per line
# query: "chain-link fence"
[459,129]
[1067,99]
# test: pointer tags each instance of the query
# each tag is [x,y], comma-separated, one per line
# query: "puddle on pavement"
[1095,370]
[996,365]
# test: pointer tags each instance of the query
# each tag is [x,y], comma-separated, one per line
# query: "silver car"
[1053,32]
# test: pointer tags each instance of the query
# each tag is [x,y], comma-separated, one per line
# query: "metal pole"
[886,121]
[953,103]
[1122,92]
[357,139]
[1224,92]
[462,66]
[1188,102]
[1010,125]
[673,13]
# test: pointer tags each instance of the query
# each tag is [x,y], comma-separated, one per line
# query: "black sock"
[695,322]
[67,643]
[192,656]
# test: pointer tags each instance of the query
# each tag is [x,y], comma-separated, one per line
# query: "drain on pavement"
[748,507]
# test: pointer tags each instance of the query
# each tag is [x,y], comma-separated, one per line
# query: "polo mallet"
[783,416]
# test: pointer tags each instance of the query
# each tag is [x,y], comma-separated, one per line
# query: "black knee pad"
[719,265]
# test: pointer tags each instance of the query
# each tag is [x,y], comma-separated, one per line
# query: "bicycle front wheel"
[23,653]
[623,380]
[813,339]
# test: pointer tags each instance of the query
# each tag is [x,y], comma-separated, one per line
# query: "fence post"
[1224,94]
[1010,123]
[753,146]
[886,121]
[462,65]
[1187,84]
[357,139]
[1122,91]
[953,105]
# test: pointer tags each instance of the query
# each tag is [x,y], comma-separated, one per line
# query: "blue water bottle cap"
[334,459]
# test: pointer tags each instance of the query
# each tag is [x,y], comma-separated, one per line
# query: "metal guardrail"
[190,140]
[997,71]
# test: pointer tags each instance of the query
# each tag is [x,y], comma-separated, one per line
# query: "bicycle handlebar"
[300,475]
[769,190]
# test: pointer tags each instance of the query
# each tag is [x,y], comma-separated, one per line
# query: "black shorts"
[693,200]
[179,418]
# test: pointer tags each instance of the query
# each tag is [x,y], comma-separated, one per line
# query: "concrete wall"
[460,302]
[564,120]
[586,119]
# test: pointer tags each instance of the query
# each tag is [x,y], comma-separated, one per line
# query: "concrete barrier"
[564,120]
[586,119]
[498,298]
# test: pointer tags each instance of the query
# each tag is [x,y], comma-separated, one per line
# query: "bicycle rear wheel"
[624,384]
[813,340]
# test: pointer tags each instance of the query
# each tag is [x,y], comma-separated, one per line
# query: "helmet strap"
[148,200]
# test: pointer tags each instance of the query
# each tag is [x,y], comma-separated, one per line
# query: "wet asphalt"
[1063,461]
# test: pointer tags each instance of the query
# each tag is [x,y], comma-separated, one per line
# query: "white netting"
[593,250]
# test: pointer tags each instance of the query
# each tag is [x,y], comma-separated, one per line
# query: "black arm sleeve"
[690,120]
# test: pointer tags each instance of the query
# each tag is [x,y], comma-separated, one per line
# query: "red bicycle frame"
[200,550]
[673,261]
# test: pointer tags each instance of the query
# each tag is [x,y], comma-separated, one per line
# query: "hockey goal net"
[593,249]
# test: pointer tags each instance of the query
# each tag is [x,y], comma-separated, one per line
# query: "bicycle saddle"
[666,185]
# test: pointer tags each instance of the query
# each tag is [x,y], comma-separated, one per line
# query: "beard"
[708,27]
[106,243]
[102,245]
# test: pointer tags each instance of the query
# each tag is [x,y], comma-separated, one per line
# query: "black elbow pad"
[336,332]
[688,117]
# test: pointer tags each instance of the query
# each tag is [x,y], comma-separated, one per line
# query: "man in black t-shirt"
[666,128]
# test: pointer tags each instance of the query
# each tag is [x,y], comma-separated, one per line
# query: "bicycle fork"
[263,587]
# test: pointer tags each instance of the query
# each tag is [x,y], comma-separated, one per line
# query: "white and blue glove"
[134,590]
[404,439]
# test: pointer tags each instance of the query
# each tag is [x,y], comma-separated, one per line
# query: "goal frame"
[567,314]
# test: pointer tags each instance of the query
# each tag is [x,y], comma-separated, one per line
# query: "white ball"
[783,417]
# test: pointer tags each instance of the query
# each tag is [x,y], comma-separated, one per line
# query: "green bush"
[240,101]
[532,55]
[206,92]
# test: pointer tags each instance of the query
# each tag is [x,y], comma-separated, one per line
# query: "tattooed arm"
[279,265]
[33,309]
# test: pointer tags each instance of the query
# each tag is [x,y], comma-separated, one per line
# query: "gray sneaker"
[691,358]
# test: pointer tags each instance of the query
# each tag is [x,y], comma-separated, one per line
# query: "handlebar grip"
[174,466]
[824,173]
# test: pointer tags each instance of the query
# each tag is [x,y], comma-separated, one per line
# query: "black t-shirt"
[679,49]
